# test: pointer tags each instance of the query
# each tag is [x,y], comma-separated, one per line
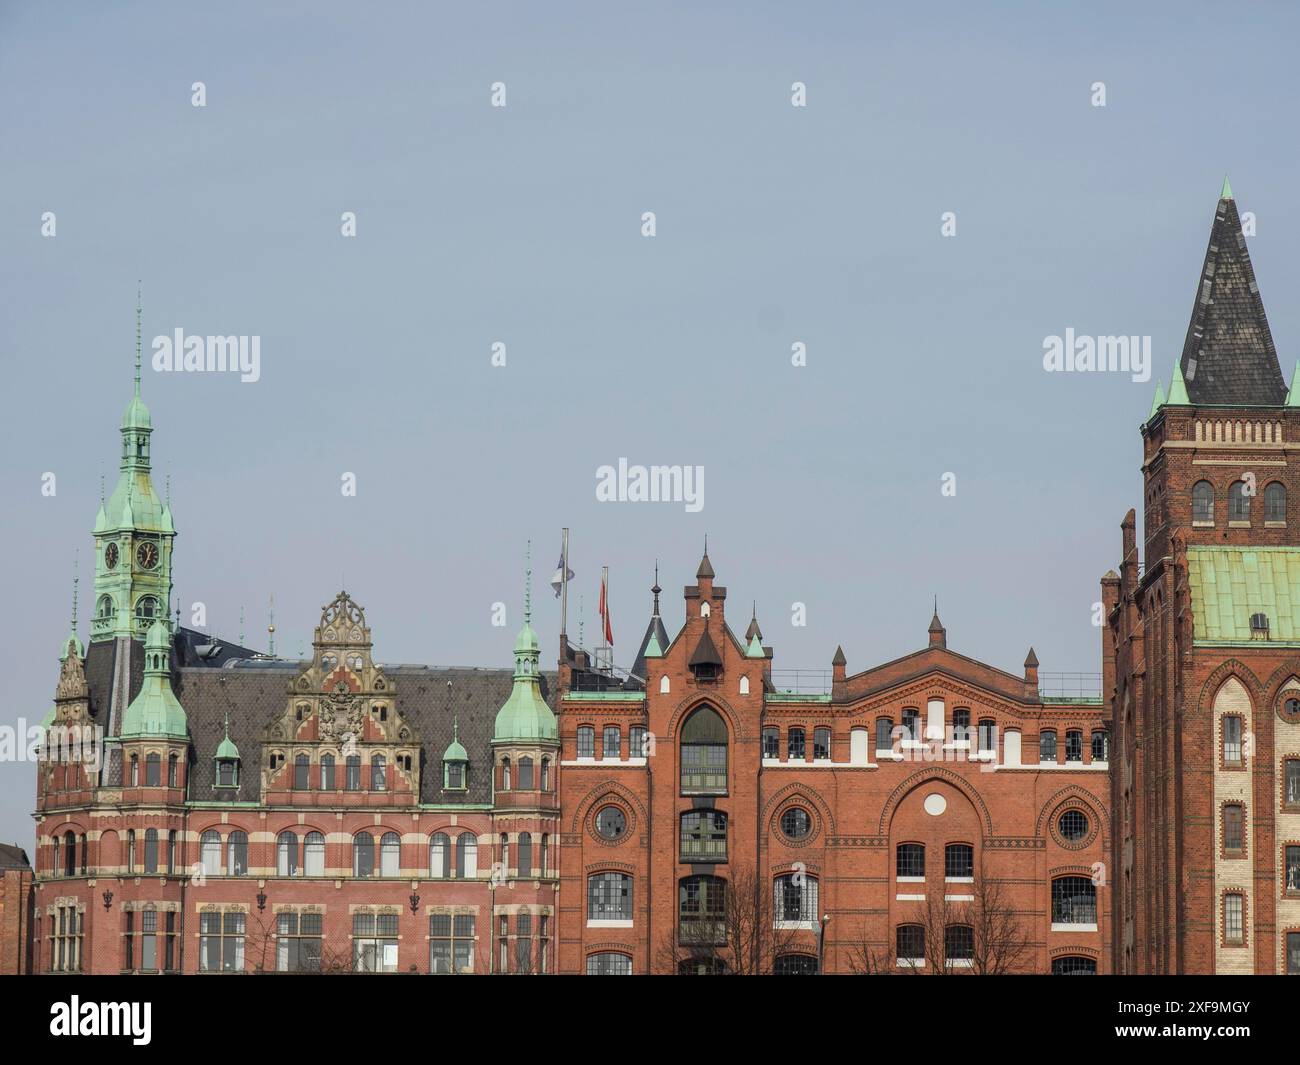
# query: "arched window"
[363,854]
[525,774]
[210,852]
[609,898]
[1073,745]
[959,945]
[1275,502]
[352,768]
[704,753]
[544,861]
[135,771]
[326,772]
[466,856]
[701,910]
[1238,502]
[546,774]
[130,852]
[301,772]
[1074,901]
[173,779]
[314,854]
[909,944]
[390,854]
[795,899]
[988,734]
[959,861]
[237,854]
[1072,965]
[910,861]
[611,743]
[70,853]
[821,745]
[171,851]
[525,854]
[153,770]
[608,963]
[795,965]
[146,608]
[884,734]
[1101,745]
[505,774]
[104,608]
[1203,502]
[795,744]
[286,854]
[377,773]
[505,852]
[439,853]
[961,725]
[1047,745]
[911,723]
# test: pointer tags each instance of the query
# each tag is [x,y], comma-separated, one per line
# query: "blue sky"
[477,224]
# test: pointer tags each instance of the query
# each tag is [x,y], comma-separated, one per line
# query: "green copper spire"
[1226,192]
[1158,402]
[156,711]
[1178,389]
[652,648]
[1293,394]
[525,715]
[72,643]
[755,648]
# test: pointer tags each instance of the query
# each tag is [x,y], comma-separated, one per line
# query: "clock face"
[147,555]
[110,556]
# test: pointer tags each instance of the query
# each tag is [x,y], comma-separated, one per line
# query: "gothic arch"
[1233,667]
[1277,682]
[697,699]
[934,773]
[601,790]
[808,795]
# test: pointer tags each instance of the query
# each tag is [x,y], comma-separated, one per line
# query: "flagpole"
[564,590]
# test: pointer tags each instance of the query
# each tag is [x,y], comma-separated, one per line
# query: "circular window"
[1073,825]
[795,823]
[611,823]
[1291,709]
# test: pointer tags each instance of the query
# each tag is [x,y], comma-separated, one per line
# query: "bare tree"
[743,936]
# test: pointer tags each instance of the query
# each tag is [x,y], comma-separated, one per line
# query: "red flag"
[604,608]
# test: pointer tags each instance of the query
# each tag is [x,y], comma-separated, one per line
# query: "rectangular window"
[961,725]
[298,942]
[524,943]
[451,943]
[988,736]
[609,897]
[636,742]
[327,773]
[1233,929]
[374,943]
[1101,746]
[1293,954]
[1047,746]
[1074,746]
[1232,740]
[821,745]
[1293,870]
[884,734]
[704,768]
[301,774]
[613,742]
[149,940]
[911,860]
[586,741]
[771,749]
[911,724]
[704,836]
[353,771]
[1291,779]
[1232,824]
[169,942]
[221,942]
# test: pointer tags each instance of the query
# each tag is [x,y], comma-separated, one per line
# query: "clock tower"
[133,536]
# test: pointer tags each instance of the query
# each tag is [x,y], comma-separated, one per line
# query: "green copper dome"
[155,711]
[455,751]
[136,415]
[227,749]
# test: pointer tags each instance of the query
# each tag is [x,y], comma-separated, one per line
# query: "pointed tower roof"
[656,636]
[525,716]
[706,652]
[938,634]
[1031,660]
[72,645]
[1293,393]
[1158,401]
[156,711]
[1228,355]
[1178,389]
[753,629]
[706,567]
[839,659]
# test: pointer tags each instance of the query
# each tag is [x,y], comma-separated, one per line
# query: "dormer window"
[453,776]
[227,773]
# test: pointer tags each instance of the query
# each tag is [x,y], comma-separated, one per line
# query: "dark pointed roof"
[705,653]
[1031,660]
[839,659]
[655,629]
[1228,356]
[706,568]
[753,629]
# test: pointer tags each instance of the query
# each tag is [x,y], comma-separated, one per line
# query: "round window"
[1073,825]
[795,823]
[611,823]
[1291,709]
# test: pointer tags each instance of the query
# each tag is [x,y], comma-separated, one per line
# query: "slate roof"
[13,857]
[1228,356]
[255,692]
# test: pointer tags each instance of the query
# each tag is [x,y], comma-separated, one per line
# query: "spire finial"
[138,313]
[101,489]
[227,724]
[76,577]
[169,488]
[582,620]
[270,628]
[241,624]
[455,728]
[655,590]
[528,584]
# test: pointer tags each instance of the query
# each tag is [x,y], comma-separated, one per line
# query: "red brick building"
[1201,657]
[931,811]
[16,894]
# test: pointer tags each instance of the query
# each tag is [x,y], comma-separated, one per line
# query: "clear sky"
[522,224]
